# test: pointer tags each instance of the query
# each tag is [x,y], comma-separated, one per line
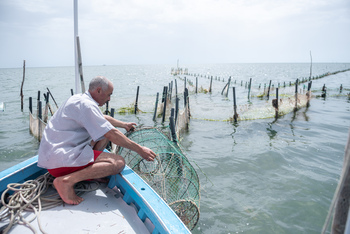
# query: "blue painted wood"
[154,207]
[142,215]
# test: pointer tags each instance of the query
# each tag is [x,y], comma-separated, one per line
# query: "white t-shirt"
[67,137]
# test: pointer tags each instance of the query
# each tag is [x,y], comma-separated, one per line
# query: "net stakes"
[172,125]
[137,98]
[30,105]
[249,87]
[275,104]
[21,94]
[296,95]
[155,108]
[52,97]
[106,111]
[234,104]
[268,91]
[165,100]
[324,91]
[176,109]
[211,83]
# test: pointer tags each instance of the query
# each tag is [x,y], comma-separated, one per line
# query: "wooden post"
[196,84]
[37,104]
[52,97]
[308,94]
[296,95]
[30,105]
[155,108]
[24,72]
[106,112]
[176,109]
[324,91]
[276,103]
[165,101]
[172,125]
[39,111]
[228,85]
[249,87]
[310,66]
[234,104]
[112,112]
[211,82]
[268,91]
[72,92]
[137,99]
[175,88]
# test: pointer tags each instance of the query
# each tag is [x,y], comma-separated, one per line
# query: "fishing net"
[36,126]
[171,175]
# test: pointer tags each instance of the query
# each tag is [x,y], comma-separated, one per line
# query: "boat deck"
[102,211]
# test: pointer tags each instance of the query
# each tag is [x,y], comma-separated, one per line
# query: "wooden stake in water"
[296,94]
[324,91]
[268,91]
[249,87]
[310,66]
[234,105]
[308,94]
[165,101]
[176,109]
[172,125]
[52,97]
[228,85]
[276,103]
[211,83]
[106,111]
[24,72]
[112,112]
[30,105]
[155,108]
[137,99]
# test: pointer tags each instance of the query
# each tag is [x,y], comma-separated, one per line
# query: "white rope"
[31,196]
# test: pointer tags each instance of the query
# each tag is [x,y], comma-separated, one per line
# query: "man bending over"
[73,141]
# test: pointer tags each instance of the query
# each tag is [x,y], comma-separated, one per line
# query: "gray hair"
[99,81]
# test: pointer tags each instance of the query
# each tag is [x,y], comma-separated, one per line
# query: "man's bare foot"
[66,191]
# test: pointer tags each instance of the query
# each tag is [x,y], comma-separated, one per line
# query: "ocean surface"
[260,175]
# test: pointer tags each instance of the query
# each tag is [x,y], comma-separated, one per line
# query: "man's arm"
[118,138]
[120,124]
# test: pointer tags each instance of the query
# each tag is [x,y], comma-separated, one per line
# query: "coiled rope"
[35,196]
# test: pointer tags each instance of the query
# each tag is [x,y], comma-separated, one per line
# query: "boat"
[126,204]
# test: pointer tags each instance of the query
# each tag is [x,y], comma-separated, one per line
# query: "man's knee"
[119,164]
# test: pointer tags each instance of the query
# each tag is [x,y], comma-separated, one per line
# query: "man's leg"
[106,164]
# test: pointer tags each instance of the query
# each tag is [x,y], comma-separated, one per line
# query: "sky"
[122,32]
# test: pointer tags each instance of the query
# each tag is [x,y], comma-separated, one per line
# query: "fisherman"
[73,141]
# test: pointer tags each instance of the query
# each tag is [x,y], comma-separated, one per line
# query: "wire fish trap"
[171,175]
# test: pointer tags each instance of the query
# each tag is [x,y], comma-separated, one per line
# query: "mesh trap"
[171,175]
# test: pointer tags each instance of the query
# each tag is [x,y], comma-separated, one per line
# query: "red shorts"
[61,171]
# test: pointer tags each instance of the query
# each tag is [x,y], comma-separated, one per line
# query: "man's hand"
[147,153]
[130,126]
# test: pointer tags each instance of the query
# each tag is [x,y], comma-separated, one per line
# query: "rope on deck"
[34,196]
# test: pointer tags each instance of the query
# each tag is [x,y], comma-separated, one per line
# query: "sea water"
[262,175]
